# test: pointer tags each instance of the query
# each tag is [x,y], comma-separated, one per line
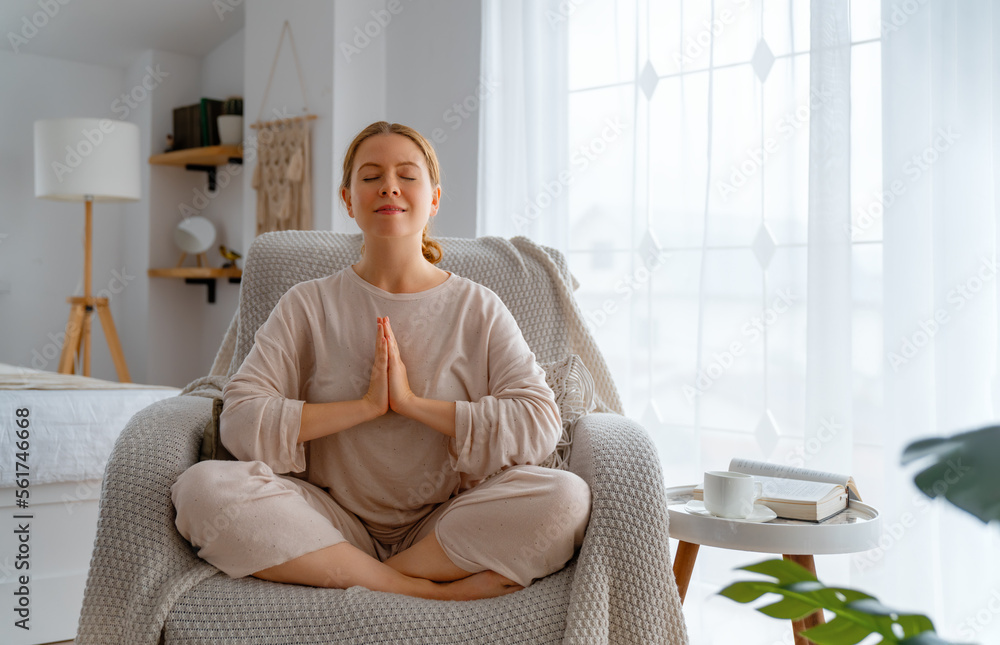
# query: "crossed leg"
[240,515]
[343,565]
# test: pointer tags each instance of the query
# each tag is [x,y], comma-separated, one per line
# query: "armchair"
[147,585]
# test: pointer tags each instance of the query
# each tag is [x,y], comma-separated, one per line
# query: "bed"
[72,424]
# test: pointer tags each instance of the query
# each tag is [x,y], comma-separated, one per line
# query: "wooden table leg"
[684,565]
[813,619]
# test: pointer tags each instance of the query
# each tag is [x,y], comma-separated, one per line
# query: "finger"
[391,335]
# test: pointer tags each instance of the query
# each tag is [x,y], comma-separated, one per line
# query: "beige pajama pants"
[523,523]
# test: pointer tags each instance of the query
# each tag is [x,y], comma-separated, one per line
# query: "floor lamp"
[87,160]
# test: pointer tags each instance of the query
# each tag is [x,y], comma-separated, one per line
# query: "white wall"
[359,74]
[312,25]
[433,85]
[411,62]
[222,73]
[41,249]
[41,241]
[413,69]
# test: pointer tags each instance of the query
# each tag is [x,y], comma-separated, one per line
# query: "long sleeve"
[261,411]
[517,422]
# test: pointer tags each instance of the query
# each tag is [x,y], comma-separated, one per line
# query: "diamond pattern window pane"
[763,246]
[867,183]
[734,35]
[766,434]
[648,80]
[788,108]
[737,161]
[600,187]
[678,163]
[784,319]
[762,60]
[601,43]
[731,390]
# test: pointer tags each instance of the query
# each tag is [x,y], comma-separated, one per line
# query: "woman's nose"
[390,188]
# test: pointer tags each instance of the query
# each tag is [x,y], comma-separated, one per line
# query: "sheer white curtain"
[522,125]
[758,230]
[940,285]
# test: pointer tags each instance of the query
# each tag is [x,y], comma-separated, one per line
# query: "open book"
[796,493]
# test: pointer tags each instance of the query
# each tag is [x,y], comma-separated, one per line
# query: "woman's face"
[391,193]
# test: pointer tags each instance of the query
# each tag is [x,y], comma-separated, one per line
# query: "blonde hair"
[429,247]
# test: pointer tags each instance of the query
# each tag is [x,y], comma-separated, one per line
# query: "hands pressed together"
[389,388]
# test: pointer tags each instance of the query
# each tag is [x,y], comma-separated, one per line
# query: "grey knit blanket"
[146,581]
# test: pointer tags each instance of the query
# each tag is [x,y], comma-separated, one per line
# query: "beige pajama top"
[458,342]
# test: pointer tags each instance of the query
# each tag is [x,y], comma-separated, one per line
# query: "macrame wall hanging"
[283,175]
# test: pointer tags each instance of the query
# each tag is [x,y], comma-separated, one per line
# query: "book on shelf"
[211,109]
[197,125]
[796,493]
[187,127]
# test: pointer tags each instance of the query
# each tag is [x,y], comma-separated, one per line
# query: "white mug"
[730,495]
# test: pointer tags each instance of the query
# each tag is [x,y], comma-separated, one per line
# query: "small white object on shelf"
[230,129]
[194,235]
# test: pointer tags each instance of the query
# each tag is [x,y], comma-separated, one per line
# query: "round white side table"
[852,530]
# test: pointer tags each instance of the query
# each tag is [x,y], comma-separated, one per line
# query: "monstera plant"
[961,469]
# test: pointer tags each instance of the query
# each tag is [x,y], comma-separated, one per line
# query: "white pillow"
[573,386]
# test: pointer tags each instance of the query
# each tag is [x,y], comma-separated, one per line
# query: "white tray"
[857,528]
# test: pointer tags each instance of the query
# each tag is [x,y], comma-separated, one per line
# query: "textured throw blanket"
[145,579]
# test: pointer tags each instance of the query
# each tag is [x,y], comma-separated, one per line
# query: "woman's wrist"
[324,419]
[372,411]
[439,415]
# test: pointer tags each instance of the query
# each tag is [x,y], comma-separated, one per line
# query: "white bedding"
[71,431]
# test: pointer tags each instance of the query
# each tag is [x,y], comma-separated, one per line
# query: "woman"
[386,420]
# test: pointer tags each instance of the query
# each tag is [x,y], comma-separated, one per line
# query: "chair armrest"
[141,564]
[624,563]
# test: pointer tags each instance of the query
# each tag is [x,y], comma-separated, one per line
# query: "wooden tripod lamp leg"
[78,327]
[117,355]
[88,314]
[71,344]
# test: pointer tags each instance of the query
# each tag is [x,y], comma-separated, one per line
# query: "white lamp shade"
[75,158]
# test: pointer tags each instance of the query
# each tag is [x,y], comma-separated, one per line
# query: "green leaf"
[785,571]
[914,624]
[872,606]
[747,590]
[962,470]
[924,447]
[857,614]
[839,631]
[790,608]
[850,595]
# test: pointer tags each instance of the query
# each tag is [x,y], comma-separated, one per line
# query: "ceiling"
[113,33]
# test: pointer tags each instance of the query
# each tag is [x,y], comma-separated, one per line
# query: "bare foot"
[485,584]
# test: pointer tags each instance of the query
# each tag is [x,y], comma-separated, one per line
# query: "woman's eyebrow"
[372,163]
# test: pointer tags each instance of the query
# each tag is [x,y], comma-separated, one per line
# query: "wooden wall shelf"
[209,156]
[199,275]
[203,159]
[195,272]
